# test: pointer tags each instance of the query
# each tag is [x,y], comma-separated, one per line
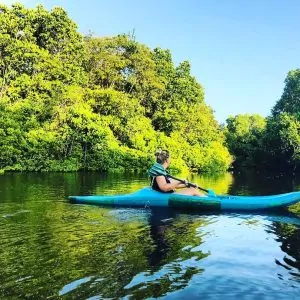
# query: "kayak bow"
[147,197]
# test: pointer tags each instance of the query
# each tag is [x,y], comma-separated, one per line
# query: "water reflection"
[173,261]
[288,235]
[50,248]
[171,232]
[220,183]
[253,182]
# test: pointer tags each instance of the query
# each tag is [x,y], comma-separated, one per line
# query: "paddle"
[157,170]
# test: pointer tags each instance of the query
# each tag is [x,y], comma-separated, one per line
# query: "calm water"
[51,249]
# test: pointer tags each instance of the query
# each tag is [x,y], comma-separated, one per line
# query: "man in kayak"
[163,184]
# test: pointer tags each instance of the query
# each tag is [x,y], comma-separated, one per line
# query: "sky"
[239,50]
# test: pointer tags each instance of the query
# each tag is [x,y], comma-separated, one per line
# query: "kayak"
[147,197]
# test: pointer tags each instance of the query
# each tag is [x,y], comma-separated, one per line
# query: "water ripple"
[52,249]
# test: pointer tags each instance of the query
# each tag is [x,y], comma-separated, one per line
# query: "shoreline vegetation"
[72,102]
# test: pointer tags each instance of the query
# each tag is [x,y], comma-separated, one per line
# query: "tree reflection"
[289,237]
[174,260]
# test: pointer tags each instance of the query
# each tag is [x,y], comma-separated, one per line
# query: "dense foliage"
[274,141]
[69,102]
[244,138]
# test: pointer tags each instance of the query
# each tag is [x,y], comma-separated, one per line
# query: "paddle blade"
[211,193]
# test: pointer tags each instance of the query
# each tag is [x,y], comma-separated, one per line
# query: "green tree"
[282,140]
[70,102]
[122,64]
[290,99]
[244,135]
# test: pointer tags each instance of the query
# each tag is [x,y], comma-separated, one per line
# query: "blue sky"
[240,50]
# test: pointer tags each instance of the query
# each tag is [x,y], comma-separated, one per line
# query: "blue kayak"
[147,197]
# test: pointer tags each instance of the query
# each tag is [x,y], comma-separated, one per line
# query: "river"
[52,249]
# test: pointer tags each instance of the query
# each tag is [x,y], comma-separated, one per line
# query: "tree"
[70,102]
[244,135]
[283,127]
[290,99]
[282,140]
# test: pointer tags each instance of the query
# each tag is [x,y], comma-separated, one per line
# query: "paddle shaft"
[189,184]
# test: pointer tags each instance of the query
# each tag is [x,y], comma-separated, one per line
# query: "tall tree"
[290,99]
[70,102]
[244,135]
